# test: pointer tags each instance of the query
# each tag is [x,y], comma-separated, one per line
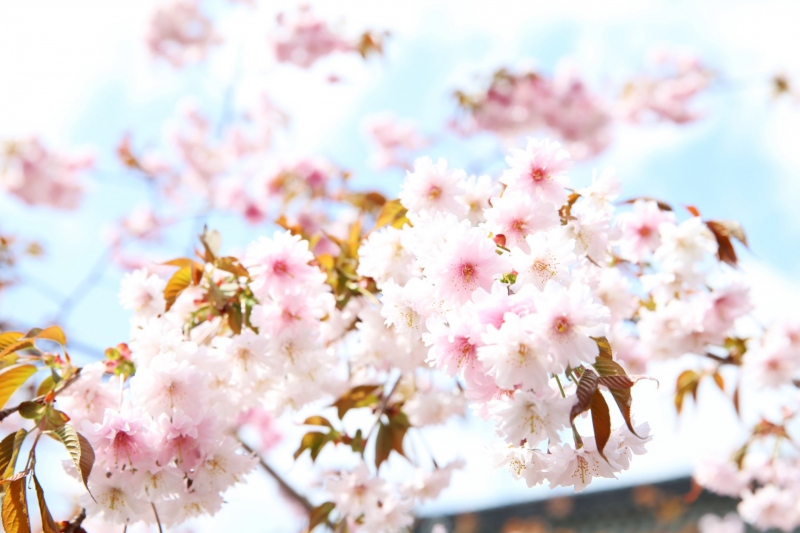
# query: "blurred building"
[667,507]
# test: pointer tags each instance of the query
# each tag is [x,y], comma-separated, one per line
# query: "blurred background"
[79,76]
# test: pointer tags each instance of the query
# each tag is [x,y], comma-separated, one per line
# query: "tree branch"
[5,413]
[287,489]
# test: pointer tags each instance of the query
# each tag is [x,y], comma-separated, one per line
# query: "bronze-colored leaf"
[361,396]
[725,250]
[319,515]
[719,381]
[179,281]
[616,382]
[686,384]
[232,265]
[587,385]
[235,318]
[12,379]
[383,445]
[15,508]
[48,524]
[601,421]
[317,421]
[604,347]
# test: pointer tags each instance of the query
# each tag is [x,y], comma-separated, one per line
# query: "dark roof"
[669,506]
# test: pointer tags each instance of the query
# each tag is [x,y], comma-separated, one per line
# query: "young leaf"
[9,450]
[48,524]
[53,333]
[8,338]
[46,386]
[313,441]
[361,396]
[12,379]
[79,450]
[719,381]
[686,384]
[15,508]
[319,514]
[616,382]
[391,211]
[317,421]
[232,265]
[383,445]
[179,281]
[21,344]
[587,385]
[601,421]
[235,318]
[604,347]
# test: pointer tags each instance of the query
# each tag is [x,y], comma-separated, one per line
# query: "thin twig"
[75,525]
[158,520]
[39,399]
[285,487]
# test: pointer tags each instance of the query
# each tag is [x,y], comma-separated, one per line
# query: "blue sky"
[91,81]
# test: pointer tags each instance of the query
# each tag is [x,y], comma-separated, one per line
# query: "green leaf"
[48,524]
[317,421]
[601,421]
[319,514]
[361,396]
[179,281]
[46,386]
[313,441]
[12,379]
[79,450]
[15,508]
[9,450]
[32,411]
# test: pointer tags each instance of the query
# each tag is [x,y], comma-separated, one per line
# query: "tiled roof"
[657,508]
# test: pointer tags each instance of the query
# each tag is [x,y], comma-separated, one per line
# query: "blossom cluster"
[564,106]
[37,175]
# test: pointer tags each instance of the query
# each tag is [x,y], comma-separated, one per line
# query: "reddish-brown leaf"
[587,385]
[693,210]
[725,251]
[616,382]
[383,445]
[601,421]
